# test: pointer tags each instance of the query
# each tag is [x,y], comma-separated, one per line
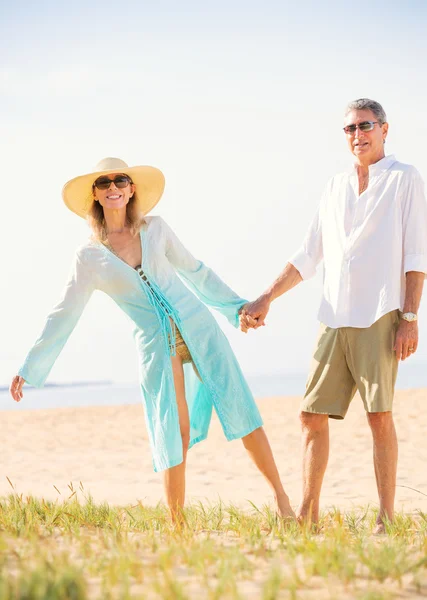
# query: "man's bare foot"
[380,528]
[307,516]
[284,509]
[307,524]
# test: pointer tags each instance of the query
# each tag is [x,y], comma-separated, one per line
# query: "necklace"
[121,230]
[138,268]
[364,184]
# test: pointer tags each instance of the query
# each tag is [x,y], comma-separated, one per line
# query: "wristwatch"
[409,316]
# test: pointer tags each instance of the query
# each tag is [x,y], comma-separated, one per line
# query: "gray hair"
[367,104]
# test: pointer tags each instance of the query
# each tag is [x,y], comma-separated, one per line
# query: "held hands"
[252,315]
[406,339]
[16,388]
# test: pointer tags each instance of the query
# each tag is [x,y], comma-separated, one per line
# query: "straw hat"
[149,182]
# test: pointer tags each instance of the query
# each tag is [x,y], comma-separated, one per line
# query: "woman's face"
[117,194]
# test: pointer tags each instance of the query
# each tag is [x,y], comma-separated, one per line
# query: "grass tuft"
[73,550]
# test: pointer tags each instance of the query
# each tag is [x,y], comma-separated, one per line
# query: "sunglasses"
[120,181]
[365,126]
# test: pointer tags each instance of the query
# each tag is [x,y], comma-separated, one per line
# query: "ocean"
[104,393]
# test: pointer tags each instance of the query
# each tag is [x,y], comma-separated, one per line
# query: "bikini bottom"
[183,351]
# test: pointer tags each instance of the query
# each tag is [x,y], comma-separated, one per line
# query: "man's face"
[367,146]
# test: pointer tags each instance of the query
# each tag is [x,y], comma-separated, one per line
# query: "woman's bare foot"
[179,522]
[284,509]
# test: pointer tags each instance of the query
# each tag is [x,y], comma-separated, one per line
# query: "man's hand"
[246,322]
[406,339]
[253,314]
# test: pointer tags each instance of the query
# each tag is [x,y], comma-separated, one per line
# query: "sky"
[240,104]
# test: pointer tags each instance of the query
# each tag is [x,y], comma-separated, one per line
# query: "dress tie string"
[166,314]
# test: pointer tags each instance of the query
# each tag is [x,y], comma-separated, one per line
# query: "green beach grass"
[75,549]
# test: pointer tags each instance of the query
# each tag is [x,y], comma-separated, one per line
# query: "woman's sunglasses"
[365,126]
[120,181]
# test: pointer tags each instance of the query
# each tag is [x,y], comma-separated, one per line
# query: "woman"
[186,364]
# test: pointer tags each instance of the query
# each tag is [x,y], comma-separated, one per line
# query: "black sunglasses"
[120,181]
[365,126]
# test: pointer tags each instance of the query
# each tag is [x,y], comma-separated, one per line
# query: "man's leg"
[374,366]
[385,463]
[315,448]
[329,390]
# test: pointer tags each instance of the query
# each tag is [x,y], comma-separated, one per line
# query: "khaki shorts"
[351,359]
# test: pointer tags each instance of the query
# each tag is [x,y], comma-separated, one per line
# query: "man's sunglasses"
[365,126]
[120,181]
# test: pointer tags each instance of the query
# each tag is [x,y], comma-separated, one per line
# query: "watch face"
[409,317]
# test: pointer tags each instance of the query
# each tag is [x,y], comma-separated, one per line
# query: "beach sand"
[106,449]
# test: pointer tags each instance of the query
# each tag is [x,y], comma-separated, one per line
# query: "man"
[371,231]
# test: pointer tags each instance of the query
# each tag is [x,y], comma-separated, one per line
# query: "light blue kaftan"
[167,265]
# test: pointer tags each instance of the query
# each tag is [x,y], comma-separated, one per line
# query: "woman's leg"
[258,447]
[174,478]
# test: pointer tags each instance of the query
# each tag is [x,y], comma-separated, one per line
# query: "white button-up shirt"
[368,243]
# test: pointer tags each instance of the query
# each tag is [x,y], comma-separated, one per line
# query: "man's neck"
[362,166]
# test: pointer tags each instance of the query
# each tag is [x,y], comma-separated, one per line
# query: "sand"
[106,448]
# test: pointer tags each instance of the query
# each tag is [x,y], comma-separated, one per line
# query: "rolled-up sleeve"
[309,255]
[414,223]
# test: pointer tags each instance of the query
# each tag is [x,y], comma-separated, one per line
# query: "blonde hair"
[96,220]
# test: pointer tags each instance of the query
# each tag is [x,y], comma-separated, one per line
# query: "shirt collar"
[379,167]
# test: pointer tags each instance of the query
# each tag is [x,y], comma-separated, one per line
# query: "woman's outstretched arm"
[58,327]
[201,279]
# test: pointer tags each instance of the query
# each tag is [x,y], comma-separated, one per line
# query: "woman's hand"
[246,321]
[16,388]
[255,312]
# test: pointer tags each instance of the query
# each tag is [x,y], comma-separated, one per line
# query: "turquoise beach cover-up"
[179,286]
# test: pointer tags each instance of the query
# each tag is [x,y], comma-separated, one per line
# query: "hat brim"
[149,185]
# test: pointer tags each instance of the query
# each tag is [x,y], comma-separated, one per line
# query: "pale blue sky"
[239,103]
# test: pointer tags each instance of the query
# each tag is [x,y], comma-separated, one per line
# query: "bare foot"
[307,516]
[179,522]
[307,524]
[284,509]
[379,528]
[381,523]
